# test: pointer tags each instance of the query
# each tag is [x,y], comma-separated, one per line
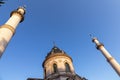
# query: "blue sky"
[68,23]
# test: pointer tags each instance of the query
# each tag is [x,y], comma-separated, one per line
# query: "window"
[55,68]
[67,67]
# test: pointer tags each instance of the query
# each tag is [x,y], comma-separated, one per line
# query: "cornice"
[54,55]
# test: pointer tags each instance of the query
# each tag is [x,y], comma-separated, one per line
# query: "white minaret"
[8,29]
[107,55]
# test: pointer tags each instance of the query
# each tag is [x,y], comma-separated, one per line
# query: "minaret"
[8,29]
[107,55]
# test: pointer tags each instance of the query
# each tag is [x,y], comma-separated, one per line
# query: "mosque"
[58,65]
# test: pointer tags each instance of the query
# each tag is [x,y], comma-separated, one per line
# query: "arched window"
[55,68]
[67,67]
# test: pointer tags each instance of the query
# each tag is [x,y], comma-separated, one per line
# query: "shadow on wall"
[3,44]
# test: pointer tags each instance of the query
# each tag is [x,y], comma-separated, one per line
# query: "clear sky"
[68,23]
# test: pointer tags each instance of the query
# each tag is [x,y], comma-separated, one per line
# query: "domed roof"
[55,51]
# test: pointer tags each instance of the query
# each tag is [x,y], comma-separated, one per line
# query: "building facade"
[58,66]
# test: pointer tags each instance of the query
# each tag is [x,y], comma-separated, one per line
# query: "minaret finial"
[91,36]
[24,6]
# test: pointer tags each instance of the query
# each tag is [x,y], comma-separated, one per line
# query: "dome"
[55,51]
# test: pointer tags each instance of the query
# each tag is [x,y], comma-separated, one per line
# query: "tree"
[2,2]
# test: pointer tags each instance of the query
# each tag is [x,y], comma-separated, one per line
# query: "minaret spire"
[91,36]
[107,55]
[8,29]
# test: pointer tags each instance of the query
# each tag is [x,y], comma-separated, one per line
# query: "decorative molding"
[55,56]
[18,13]
[8,27]
[60,61]
[98,46]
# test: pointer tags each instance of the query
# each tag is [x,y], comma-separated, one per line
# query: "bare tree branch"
[2,2]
